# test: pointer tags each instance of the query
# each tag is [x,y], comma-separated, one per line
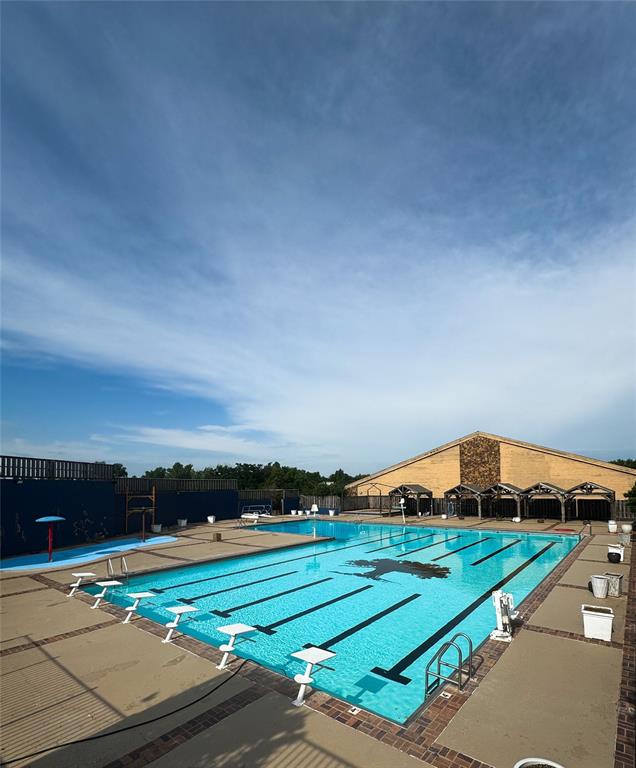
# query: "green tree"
[180,471]
[631,498]
[257,476]
[630,463]
[157,472]
[119,470]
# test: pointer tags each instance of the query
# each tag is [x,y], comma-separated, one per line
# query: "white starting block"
[76,584]
[233,630]
[312,656]
[505,610]
[105,585]
[178,611]
[137,597]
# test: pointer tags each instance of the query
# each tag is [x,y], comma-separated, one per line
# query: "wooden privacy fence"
[354,503]
[27,468]
[328,502]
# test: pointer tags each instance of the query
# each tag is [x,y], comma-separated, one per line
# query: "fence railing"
[145,484]
[353,503]
[255,494]
[29,468]
[330,502]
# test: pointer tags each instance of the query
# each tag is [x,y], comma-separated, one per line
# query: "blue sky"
[326,234]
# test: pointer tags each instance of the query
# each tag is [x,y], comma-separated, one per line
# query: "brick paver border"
[23,592]
[55,638]
[625,754]
[188,730]
[571,636]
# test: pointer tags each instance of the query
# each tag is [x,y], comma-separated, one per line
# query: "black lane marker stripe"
[190,600]
[270,628]
[363,624]
[229,611]
[160,591]
[397,544]
[395,673]
[459,549]
[428,546]
[496,552]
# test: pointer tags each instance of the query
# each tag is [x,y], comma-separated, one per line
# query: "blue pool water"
[384,598]
[64,558]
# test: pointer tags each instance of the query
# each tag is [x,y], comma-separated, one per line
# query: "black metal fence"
[145,484]
[28,468]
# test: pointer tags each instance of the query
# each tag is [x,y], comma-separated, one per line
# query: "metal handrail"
[458,669]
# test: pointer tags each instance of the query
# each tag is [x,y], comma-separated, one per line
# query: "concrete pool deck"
[69,672]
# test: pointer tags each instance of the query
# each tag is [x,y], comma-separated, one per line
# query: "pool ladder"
[458,668]
[123,568]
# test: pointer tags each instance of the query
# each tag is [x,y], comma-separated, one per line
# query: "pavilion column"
[479,506]
[518,506]
[562,509]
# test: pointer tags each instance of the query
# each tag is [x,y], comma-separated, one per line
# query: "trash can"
[614,584]
[615,553]
[597,622]
[600,586]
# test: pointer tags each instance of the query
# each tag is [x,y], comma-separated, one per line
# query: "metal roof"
[544,489]
[406,488]
[502,488]
[464,489]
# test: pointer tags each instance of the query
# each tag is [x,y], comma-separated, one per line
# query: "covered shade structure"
[498,491]
[413,491]
[546,490]
[590,492]
[465,491]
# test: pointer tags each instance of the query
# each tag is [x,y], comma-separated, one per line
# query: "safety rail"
[123,568]
[457,669]
[30,468]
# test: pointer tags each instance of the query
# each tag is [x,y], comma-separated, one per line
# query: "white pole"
[306,678]
[135,605]
[227,649]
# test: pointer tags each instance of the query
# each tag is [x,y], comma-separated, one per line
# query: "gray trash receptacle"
[614,584]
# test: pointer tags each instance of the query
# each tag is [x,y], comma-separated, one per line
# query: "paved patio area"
[69,673]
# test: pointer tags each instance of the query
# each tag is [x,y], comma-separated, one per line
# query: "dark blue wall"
[87,505]
[195,506]
[92,510]
[289,503]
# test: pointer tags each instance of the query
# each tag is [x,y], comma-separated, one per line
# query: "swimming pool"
[382,597]
[64,558]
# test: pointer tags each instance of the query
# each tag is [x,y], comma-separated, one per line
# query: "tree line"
[252,476]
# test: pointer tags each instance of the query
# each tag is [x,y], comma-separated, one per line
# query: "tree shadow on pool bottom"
[383,566]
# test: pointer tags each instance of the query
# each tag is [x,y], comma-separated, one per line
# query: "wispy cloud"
[358,261]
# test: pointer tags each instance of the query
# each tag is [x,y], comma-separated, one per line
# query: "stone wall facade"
[479,462]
